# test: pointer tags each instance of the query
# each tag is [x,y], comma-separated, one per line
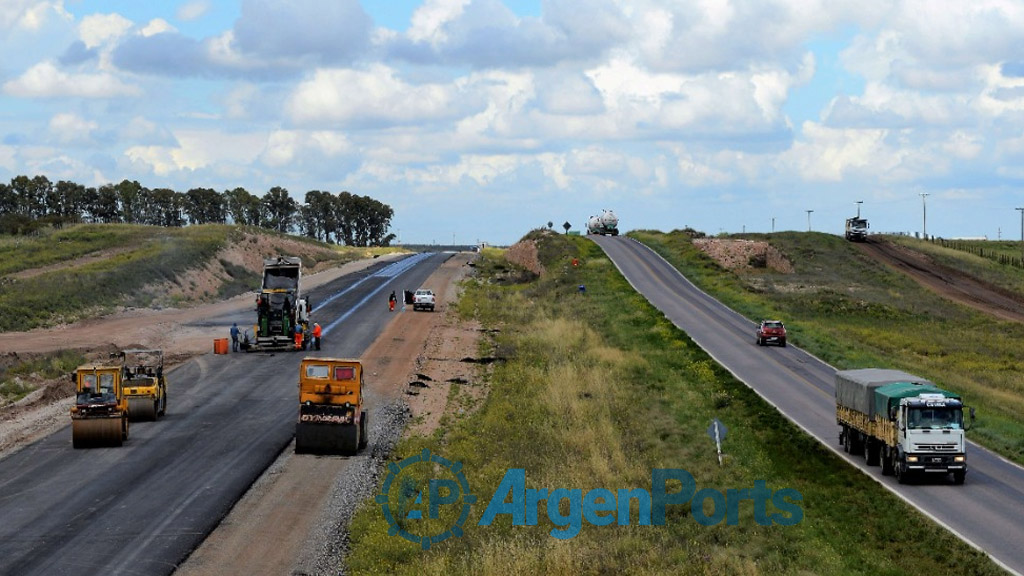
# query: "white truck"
[902,422]
[423,299]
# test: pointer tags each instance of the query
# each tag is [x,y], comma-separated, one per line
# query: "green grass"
[854,312]
[16,378]
[596,391]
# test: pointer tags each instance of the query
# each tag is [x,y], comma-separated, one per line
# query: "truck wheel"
[871,452]
[886,460]
[902,476]
[959,476]
[363,440]
[846,439]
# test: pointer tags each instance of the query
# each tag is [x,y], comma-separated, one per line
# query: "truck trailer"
[904,423]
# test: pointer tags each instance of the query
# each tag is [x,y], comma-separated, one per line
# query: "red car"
[771,332]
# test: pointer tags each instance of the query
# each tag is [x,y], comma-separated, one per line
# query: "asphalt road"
[987,512]
[143,507]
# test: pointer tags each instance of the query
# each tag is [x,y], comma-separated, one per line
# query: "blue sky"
[481,119]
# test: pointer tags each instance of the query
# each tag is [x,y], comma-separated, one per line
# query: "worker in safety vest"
[298,336]
[316,335]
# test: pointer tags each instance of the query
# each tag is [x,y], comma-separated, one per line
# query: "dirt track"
[947,282]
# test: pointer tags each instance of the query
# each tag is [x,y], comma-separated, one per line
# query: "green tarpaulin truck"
[904,423]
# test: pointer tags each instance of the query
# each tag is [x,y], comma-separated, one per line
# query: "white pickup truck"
[423,299]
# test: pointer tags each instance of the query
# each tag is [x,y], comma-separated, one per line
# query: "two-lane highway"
[143,507]
[987,512]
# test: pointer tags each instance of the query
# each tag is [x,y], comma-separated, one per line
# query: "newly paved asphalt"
[143,507]
[987,512]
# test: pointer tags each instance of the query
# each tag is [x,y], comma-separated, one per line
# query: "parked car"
[423,299]
[771,332]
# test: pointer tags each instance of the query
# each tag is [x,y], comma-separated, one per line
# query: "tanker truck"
[904,423]
[280,306]
[606,223]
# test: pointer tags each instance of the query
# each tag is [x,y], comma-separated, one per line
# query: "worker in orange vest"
[298,336]
[316,335]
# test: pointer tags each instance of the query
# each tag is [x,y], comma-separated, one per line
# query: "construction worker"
[234,337]
[298,336]
[316,335]
[391,301]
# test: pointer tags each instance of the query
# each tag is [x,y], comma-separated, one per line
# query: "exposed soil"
[741,254]
[947,282]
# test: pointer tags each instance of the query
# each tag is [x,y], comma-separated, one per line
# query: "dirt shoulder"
[293,519]
[947,282]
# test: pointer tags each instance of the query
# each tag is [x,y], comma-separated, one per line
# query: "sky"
[479,120]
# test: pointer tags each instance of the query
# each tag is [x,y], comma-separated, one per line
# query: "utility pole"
[859,202]
[924,215]
[1021,210]
[809,220]
[773,224]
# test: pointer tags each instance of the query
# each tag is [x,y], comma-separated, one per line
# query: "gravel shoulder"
[294,518]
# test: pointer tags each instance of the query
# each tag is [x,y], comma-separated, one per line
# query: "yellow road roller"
[145,387]
[100,414]
[331,415]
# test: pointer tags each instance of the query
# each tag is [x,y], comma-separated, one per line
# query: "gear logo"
[447,493]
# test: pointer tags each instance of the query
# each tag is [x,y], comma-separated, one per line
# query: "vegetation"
[30,204]
[17,379]
[595,391]
[854,313]
[61,275]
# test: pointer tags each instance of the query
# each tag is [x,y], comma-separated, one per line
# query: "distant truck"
[606,223]
[280,306]
[903,422]
[856,229]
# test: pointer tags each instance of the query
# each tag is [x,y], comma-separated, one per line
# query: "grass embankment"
[86,270]
[598,390]
[854,313]
[17,379]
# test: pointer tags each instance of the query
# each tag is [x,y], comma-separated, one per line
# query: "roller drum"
[142,409]
[97,432]
[325,438]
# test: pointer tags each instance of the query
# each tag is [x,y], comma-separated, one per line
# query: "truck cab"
[931,437]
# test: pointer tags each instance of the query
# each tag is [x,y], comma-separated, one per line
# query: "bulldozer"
[145,387]
[100,414]
[331,415]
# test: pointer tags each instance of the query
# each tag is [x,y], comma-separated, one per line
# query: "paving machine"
[280,307]
[145,387]
[331,415]
[100,414]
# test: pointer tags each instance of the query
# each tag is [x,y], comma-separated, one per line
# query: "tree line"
[27,204]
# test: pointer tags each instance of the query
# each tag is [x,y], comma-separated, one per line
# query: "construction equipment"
[100,414]
[280,307]
[331,415]
[606,223]
[145,387]
[856,229]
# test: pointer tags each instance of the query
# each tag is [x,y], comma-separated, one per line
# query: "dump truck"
[904,423]
[100,414]
[605,223]
[856,229]
[145,386]
[331,415]
[280,306]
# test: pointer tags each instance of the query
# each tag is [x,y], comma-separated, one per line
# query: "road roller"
[145,387]
[331,415]
[100,414]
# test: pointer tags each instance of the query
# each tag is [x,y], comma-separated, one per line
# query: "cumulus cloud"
[197,149]
[98,29]
[31,15]
[336,31]
[366,97]
[47,80]
[486,34]
[190,11]
[72,129]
